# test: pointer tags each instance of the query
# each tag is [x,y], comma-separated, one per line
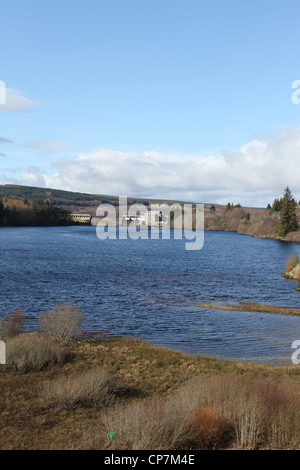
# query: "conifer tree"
[288,218]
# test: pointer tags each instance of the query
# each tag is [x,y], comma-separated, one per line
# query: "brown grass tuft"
[33,352]
[94,388]
[154,424]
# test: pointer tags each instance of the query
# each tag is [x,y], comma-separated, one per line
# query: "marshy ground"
[73,395]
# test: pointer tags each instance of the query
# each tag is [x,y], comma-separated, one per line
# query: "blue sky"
[183,99]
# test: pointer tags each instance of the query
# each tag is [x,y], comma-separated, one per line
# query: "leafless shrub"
[260,411]
[282,418]
[33,352]
[61,323]
[155,424]
[233,400]
[94,388]
[13,323]
[210,429]
[207,412]
[16,321]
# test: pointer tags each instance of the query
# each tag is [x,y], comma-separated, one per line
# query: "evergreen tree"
[277,205]
[288,218]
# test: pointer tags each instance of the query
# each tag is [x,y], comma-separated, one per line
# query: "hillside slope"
[73,201]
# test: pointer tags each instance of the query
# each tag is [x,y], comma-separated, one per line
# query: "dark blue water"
[149,288]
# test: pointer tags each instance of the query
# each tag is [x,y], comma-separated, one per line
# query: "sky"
[177,99]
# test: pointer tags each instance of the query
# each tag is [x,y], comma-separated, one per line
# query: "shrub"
[61,323]
[207,412]
[13,324]
[259,410]
[33,352]
[16,321]
[292,261]
[159,423]
[209,429]
[289,268]
[95,388]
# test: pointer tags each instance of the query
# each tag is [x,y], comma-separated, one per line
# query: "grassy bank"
[69,396]
[252,307]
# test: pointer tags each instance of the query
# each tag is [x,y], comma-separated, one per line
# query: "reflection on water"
[149,288]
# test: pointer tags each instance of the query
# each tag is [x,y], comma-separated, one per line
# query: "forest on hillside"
[38,213]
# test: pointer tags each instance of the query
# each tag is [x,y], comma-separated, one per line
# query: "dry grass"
[33,352]
[94,388]
[252,307]
[154,424]
[262,411]
[208,412]
[176,401]
[4,329]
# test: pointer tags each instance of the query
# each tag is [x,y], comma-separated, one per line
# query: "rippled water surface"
[149,288]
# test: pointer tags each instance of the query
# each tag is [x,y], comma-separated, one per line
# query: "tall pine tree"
[288,218]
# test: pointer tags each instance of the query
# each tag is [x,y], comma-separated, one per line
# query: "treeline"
[38,213]
[278,203]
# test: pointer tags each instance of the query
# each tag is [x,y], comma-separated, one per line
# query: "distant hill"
[73,201]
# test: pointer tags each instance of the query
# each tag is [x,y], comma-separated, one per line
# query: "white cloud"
[16,102]
[252,175]
[46,148]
